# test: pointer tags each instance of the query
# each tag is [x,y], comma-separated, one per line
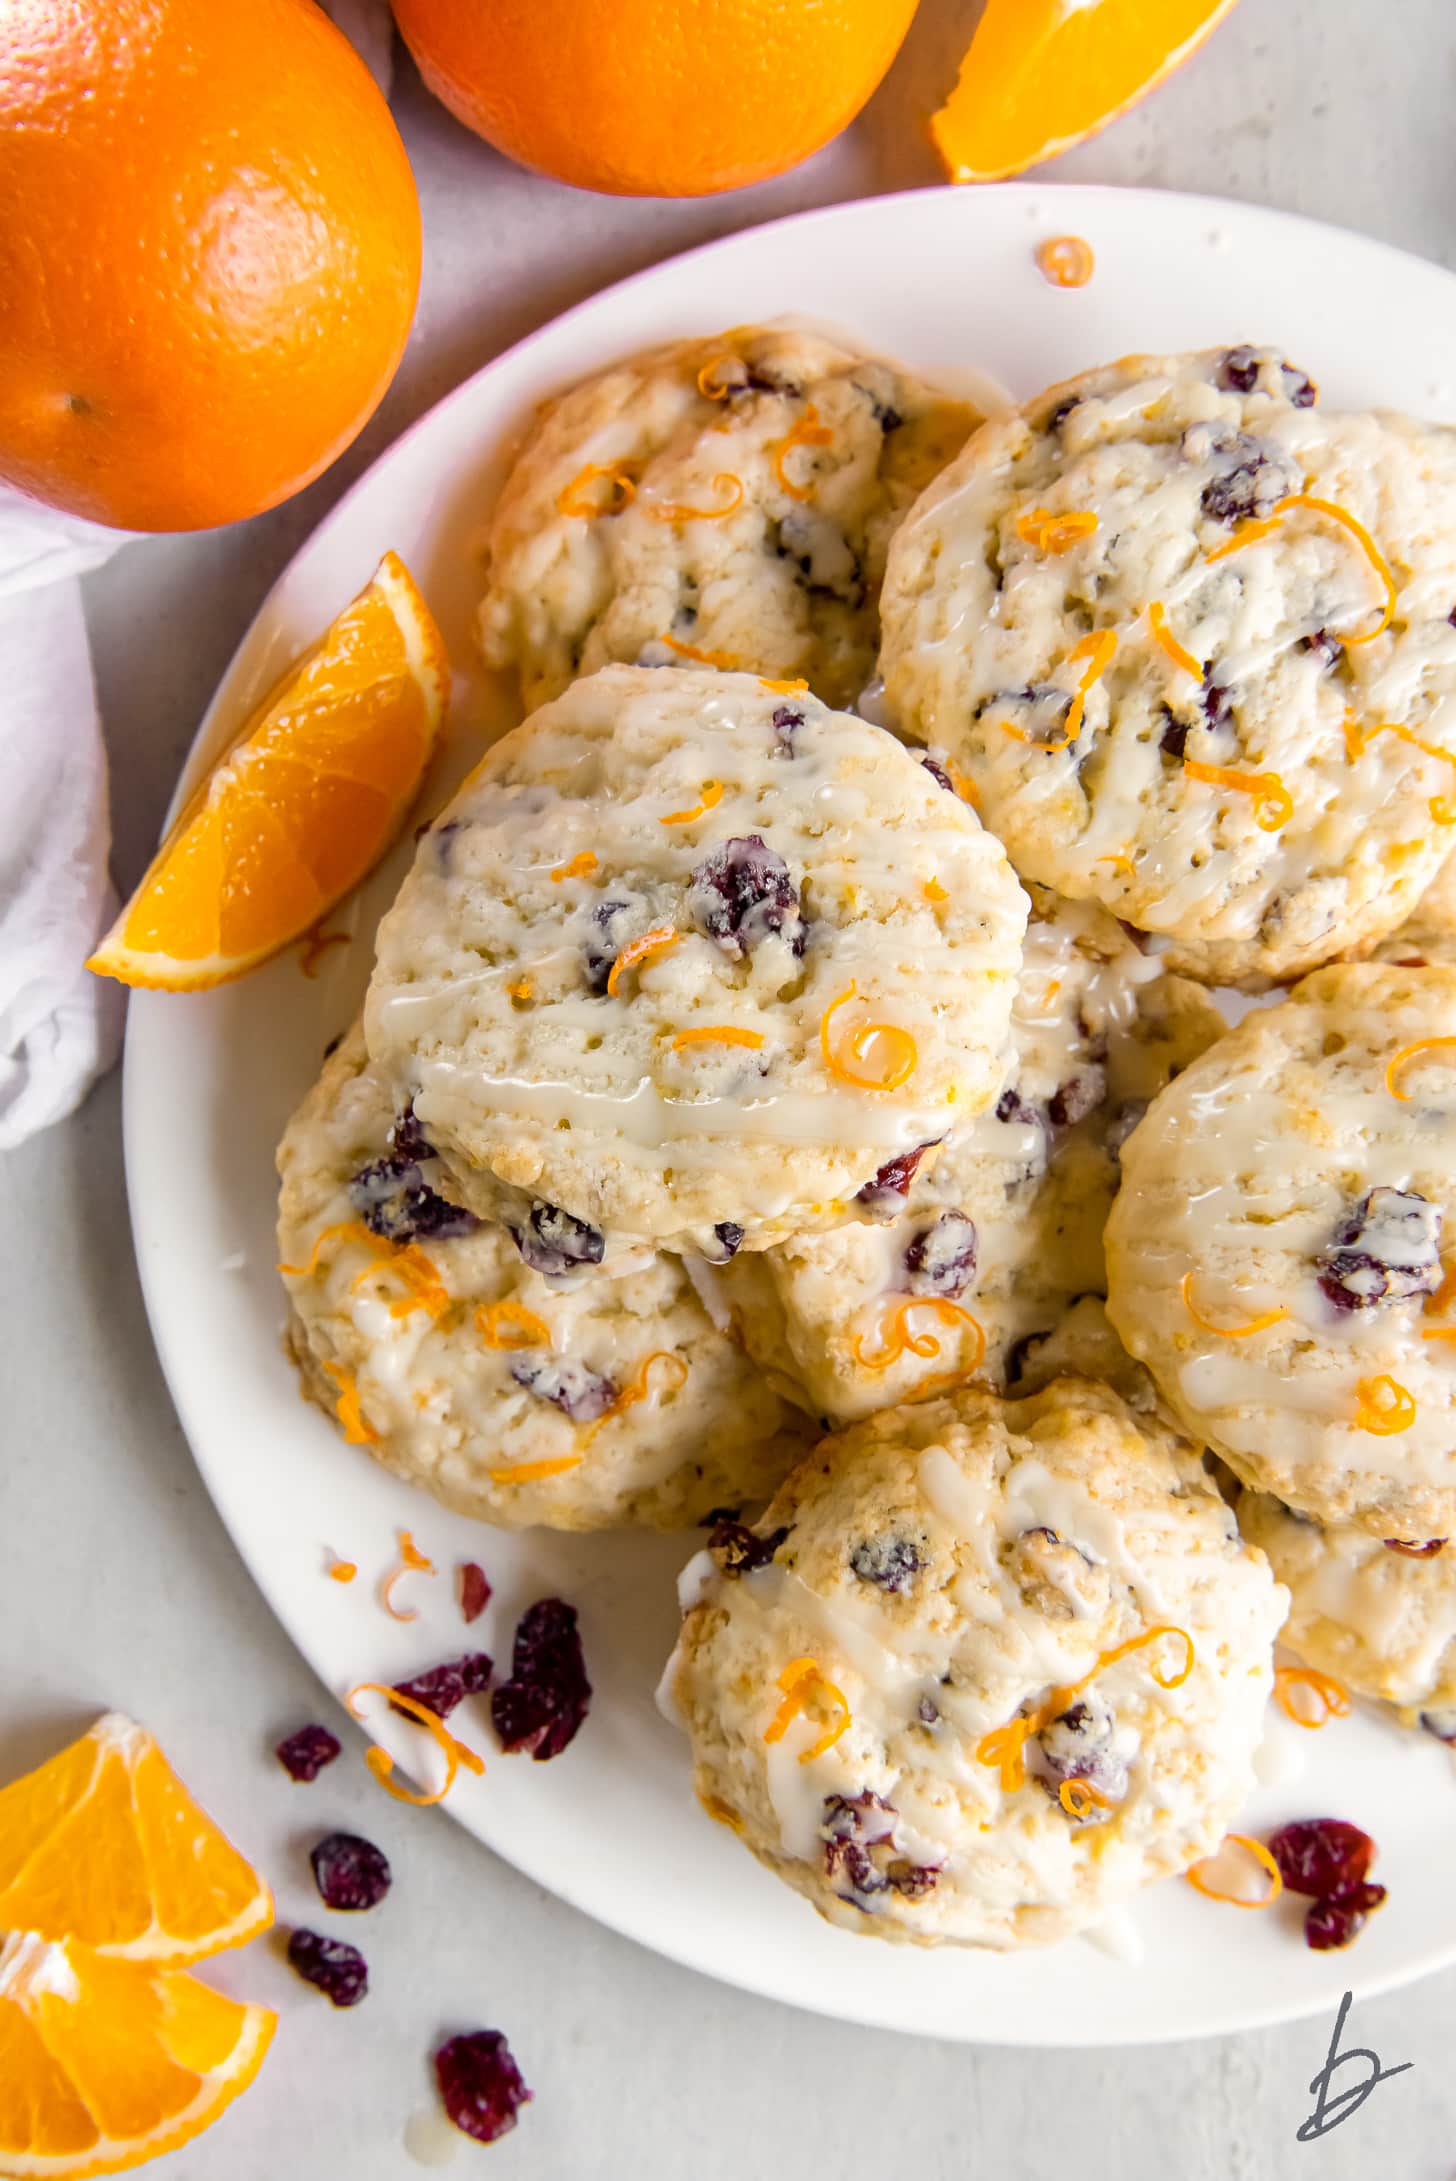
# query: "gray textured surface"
[121,1588]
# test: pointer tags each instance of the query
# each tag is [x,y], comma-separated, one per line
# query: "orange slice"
[105,2064]
[104,1844]
[1043,74]
[304,804]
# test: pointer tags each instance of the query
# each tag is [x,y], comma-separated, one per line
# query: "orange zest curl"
[511,1325]
[342,1571]
[315,945]
[1098,648]
[1249,533]
[1439,1332]
[1273,803]
[672,511]
[1261,1856]
[1383,1406]
[1258,1324]
[899,1052]
[709,387]
[1052,533]
[725,661]
[808,432]
[576,499]
[1332,1696]
[894,1338]
[533,1472]
[1066,261]
[523,988]
[1120,862]
[1166,641]
[411,1561]
[1079,1798]
[800,1680]
[381,1764]
[934,891]
[675,1376]
[350,1230]
[964,786]
[652,943]
[424,1289]
[1005,1747]
[782,689]
[1358,740]
[1393,1068]
[711,794]
[575,867]
[717,1033]
[357,1431]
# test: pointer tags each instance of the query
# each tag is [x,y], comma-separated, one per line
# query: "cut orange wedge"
[105,2064]
[1043,74]
[104,1844]
[304,804]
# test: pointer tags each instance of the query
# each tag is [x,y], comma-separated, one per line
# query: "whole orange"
[209,254]
[655,98]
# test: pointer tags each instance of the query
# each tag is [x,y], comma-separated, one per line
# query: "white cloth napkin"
[60,1027]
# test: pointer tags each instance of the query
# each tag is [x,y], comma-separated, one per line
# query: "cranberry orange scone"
[511,1384]
[1191,640]
[951,1273]
[1381,1618]
[688,959]
[1275,1252]
[727,499]
[982,1669]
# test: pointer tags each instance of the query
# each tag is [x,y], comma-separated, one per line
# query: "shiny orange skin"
[655,98]
[209,254]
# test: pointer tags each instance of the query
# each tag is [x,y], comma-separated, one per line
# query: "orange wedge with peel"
[1043,74]
[105,1845]
[105,2064]
[306,801]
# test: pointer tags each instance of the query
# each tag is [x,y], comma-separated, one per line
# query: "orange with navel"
[209,254]
[655,98]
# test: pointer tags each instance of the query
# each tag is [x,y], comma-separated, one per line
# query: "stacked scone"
[735,1069]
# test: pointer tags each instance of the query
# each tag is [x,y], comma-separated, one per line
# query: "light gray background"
[121,1588]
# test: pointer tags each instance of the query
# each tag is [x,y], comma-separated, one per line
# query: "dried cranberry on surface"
[1336,1922]
[941,1259]
[603,942]
[474,1590]
[943,779]
[1080,1095]
[553,1243]
[480,2085]
[579,1392]
[1322,646]
[546,1700]
[887,1190]
[787,721]
[1428,1551]
[1238,373]
[743,893]
[1386,1250]
[1078,1746]
[729,1237]
[1323,1857]
[1173,741]
[304,1755]
[889,1562]
[338,1969]
[741,1550]
[862,1857]
[444,1686]
[350,1873]
[395,1202]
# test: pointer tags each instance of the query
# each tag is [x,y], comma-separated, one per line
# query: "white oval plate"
[944,279]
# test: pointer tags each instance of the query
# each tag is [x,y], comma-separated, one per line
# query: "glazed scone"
[939,1688]
[688,959]
[1275,1252]
[1381,1620]
[950,1273]
[1141,614]
[579,1399]
[1429,932]
[731,496]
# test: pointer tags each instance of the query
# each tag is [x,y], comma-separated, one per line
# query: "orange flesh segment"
[302,806]
[1040,77]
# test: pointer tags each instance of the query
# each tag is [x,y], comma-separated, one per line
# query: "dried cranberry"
[1247,488]
[1217,704]
[1324,1857]
[1441,1723]
[787,721]
[1173,741]
[729,1237]
[886,1190]
[545,1701]
[861,1854]
[1322,646]
[1299,388]
[407,1140]
[1019,1354]
[553,1243]
[1238,373]
[1011,1106]
[395,1202]
[603,942]
[1062,411]
[1428,1551]
[1332,1923]
[304,1755]
[741,1550]
[446,1685]
[941,1260]
[350,1873]
[1078,1746]
[942,778]
[742,893]
[480,2085]
[1080,1095]
[474,1590]
[927,1711]
[1388,1249]
[889,1562]
[578,1391]
[1042,711]
[884,412]
[339,1970]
